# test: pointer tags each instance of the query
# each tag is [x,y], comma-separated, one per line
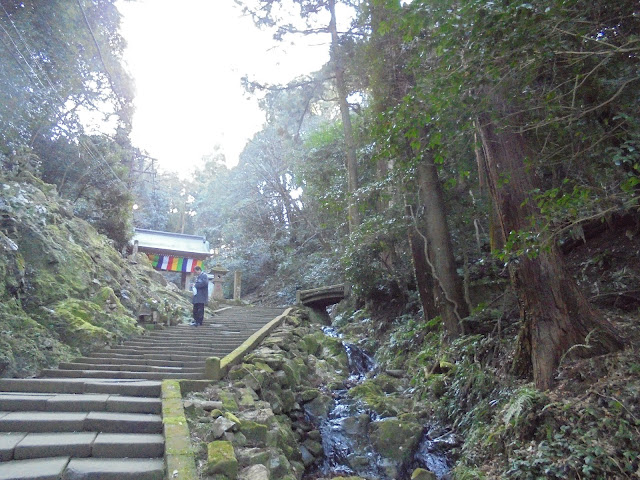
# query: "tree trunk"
[341,86]
[448,291]
[420,262]
[555,314]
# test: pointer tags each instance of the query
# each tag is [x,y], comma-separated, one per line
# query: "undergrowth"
[587,427]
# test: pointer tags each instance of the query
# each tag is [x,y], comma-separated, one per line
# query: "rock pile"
[262,421]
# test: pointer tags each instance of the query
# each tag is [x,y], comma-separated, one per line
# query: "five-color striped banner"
[174,264]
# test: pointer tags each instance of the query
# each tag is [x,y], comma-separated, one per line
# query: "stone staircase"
[100,417]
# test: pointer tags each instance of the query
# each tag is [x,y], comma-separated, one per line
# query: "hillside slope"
[64,289]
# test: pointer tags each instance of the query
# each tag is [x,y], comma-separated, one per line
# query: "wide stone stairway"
[100,417]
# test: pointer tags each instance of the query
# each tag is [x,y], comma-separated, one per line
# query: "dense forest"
[471,169]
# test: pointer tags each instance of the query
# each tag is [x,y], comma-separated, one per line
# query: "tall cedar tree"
[555,314]
[439,285]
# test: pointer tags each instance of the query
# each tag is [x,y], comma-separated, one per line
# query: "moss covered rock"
[221,459]
[373,397]
[395,439]
[256,433]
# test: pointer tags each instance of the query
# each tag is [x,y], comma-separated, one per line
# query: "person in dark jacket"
[200,296]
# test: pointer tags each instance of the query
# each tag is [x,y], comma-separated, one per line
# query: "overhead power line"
[39,85]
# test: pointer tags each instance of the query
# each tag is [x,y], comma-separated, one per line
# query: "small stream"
[347,448]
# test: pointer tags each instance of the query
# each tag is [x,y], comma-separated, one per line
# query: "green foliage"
[63,64]
[372,261]
[53,71]
[522,402]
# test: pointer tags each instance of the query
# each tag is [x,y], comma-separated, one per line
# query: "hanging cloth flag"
[187,265]
[174,264]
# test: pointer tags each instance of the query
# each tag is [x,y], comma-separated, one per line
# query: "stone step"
[130,368]
[83,469]
[162,350]
[115,374]
[43,445]
[83,444]
[37,469]
[106,360]
[158,356]
[111,422]
[51,402]
[168,354]
[182,344]
[128,387]
[132,445]
[204,332]
[115,469]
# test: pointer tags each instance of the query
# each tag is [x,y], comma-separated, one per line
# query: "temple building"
[172,252]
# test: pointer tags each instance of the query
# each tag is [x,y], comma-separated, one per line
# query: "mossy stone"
[310,344]
[253,456]
[282,436]
[228,401]
[263,366]
[308,395]
[288,400]
[256,433]
[422,474]
[394,439]
[315,448]
[221,459]
[372,396]
[246,398]
[319,407]
[231,417]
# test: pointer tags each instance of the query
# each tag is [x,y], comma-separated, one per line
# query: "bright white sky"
[187,59]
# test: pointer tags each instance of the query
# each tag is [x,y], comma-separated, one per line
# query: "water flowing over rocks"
[302,406]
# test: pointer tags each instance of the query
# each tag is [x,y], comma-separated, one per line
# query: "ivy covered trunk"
[555,314]
[448,291]
[420,262]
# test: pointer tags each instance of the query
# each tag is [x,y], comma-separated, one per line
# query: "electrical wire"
[96,156]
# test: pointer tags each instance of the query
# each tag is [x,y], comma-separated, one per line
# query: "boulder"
[221,459]
[319,407]
[422,474]
[253,456]
[256,433]
[395,439]
[220,426]
[254,472]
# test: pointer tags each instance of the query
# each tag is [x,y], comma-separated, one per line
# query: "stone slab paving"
[114,469]
[38,445]
[36,469]
[8,442]
[115,445]
[100,417]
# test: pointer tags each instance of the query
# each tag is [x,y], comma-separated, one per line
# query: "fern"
[522,402]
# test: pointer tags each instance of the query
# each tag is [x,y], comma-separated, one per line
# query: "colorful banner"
[174,264]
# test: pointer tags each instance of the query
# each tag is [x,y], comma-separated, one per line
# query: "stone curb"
[179,457]
[216,368]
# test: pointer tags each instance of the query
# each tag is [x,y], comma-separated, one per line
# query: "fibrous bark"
[555,314]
